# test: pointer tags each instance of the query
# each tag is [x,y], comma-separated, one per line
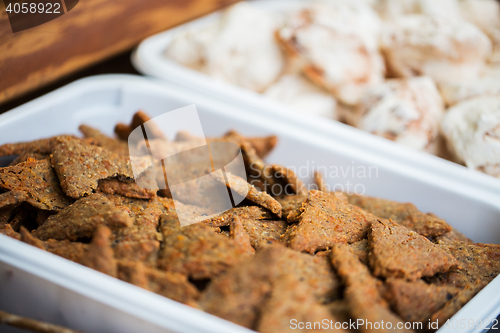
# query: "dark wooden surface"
[117,64]
[93,31]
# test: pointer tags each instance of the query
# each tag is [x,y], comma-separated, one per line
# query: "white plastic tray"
[149,59]
[43,286]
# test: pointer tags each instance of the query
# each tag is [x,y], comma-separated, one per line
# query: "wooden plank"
[91,32]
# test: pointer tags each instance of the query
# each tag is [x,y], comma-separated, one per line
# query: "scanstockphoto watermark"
[328,324]
[350,178]
[455,324]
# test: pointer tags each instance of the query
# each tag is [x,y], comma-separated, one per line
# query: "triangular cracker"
[81,219]
[362,292]
[238,294]
[398,252]
[478,262]
[406,214]
[292,300]
[39,181]
[416,301]
[80,166]
[196,250]
[326,220]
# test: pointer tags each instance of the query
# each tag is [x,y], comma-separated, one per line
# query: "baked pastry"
[485,14]
[393,9]
[444,49]
[336,46]
[488,84]
[244,51]
[302,95]
[407,111]
[239,48]
[472,131]
[188,47]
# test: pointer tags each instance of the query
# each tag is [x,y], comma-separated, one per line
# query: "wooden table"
[93,31]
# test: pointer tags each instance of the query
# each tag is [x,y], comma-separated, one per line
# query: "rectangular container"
[149,59]
[43,286]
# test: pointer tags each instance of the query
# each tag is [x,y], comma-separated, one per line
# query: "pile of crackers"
[310,255]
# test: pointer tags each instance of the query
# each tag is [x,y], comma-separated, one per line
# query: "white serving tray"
[43,286]
[148,58]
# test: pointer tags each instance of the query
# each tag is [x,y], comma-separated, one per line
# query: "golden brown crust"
[41,146]
[362,291]
[291,206]
[82,218]
[126,189]
[80,166]
[290,179]
[12,198]
[478,262]
[39,181]
[326,220]
[135,207]
[95,136]
[406,214]
[145,227]
[264,231]
[237,297]
[291,299]
[416,301]
[196,250]
[398,252]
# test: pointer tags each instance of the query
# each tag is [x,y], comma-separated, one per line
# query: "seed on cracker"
[327,220]
[39,181]
[82,218]
[196,250]
[80,166]
[41,146]
[406,214]
[398,252]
